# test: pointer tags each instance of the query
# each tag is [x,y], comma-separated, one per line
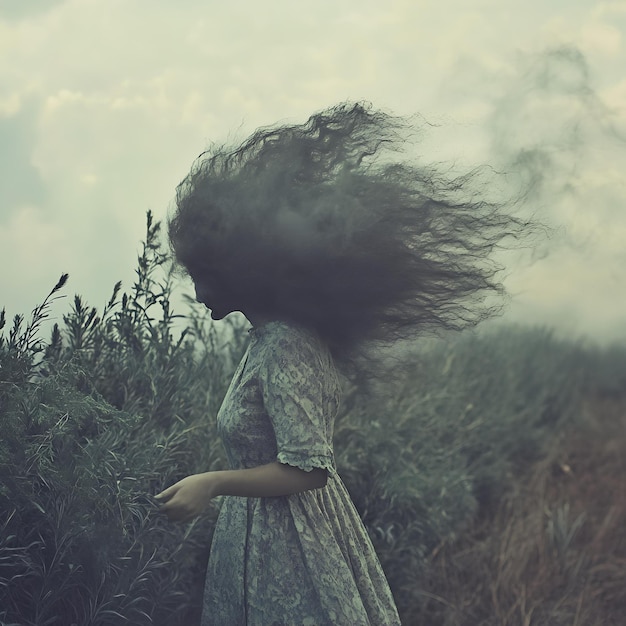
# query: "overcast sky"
[105,104]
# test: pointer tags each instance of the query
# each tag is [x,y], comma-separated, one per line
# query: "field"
[490,474]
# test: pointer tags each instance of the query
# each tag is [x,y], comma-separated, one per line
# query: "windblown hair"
[324,224]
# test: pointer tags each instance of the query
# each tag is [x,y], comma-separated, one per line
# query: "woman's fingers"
[172,507]
[177,513]
[167,494]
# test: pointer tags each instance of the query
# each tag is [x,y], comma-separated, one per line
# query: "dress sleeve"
[297,395]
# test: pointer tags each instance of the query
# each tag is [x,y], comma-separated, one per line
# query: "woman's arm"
[190,496]
[264,481]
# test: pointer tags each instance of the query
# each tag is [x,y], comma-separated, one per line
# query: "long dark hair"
[325,224]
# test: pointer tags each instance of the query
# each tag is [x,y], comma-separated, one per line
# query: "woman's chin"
[216,316]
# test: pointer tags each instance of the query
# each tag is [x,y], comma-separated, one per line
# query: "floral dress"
[306,558]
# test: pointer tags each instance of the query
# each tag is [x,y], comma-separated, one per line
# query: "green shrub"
[111,410]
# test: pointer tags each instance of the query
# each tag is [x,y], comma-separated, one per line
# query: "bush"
[111,410]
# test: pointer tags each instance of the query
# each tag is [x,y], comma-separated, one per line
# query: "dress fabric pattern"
[299,560]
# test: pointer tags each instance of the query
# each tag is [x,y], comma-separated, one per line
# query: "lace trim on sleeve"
[306,463]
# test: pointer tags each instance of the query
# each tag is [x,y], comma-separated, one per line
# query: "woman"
[329,246]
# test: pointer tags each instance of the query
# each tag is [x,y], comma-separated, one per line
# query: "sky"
[105,105]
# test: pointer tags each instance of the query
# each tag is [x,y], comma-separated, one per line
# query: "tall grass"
[121,402]
[113,408]
[553,551]
[440,450]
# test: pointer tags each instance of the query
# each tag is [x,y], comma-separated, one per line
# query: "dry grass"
[554,552]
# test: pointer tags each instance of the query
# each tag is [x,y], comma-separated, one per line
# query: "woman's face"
[215,297]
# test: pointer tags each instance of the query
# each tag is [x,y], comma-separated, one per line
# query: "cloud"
[550,125]
[105,105]
[21,181]
[24,9]
[33,252]
[552,129]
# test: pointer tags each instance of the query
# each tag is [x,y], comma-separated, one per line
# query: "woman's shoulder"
[289,339]
[284,332]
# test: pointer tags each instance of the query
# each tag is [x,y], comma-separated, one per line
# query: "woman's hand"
[189,497]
